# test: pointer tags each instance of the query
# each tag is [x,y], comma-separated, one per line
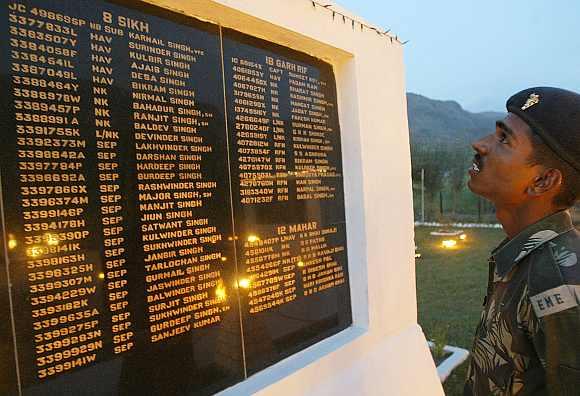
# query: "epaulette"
[548,289]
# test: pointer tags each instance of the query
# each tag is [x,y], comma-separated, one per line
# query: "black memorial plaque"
[288,199]
[172,202]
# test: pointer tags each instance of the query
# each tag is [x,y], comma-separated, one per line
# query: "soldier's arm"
[554,294]
[557,344]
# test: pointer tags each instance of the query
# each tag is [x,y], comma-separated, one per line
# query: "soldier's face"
[501,171]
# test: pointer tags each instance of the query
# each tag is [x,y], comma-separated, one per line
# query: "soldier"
[528,339]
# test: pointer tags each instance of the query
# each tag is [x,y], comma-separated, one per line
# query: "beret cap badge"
[532,100]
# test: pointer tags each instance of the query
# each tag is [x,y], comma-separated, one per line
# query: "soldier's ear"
[549,180]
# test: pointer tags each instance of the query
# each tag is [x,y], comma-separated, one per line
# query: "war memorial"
[203,197]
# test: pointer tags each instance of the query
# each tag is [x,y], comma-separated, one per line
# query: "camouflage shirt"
[528,339]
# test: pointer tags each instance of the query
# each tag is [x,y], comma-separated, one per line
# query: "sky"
[479,53]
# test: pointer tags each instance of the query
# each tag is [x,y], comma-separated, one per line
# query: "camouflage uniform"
[528,339]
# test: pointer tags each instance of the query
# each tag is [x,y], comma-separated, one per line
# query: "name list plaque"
[172,202]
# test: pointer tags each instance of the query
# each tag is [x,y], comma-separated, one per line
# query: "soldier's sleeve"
[554,293]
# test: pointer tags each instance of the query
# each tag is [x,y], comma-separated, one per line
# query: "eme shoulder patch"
[554,300]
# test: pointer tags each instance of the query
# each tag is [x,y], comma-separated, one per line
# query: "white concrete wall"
[385,352]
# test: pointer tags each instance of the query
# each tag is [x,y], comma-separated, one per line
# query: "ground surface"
[450,289]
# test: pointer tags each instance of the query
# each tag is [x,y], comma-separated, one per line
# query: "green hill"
[446,122]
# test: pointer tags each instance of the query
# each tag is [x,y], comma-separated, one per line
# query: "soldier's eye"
[503,138]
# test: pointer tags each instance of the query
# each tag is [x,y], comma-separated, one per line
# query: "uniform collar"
[512,251]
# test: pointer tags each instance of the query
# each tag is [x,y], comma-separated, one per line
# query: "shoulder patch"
[563,256]
[536,241]
[555,300]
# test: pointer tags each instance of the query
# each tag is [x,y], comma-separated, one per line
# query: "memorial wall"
[172,201]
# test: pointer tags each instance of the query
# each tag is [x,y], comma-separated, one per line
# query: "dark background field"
[451,285]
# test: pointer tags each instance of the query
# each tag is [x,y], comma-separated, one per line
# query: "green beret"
[554,115]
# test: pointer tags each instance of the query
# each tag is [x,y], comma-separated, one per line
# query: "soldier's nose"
[480,146]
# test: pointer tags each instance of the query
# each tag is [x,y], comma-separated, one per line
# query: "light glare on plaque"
[224,258]
[300,263]
[101,276]
[34,251]
[220,292]
[51,239]
[12,242]
[463,237]
[244,283]
[253,238]
[449,243]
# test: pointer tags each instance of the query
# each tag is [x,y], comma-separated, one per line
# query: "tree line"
[446,195]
